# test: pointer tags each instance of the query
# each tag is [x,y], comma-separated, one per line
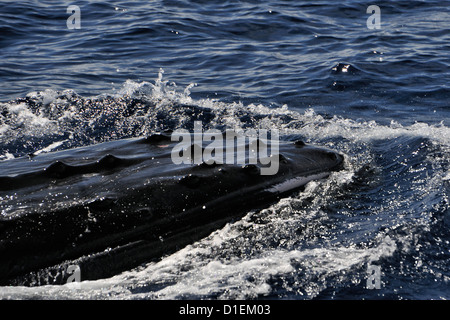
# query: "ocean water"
[314,71]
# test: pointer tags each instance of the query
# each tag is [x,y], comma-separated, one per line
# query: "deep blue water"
[311,69]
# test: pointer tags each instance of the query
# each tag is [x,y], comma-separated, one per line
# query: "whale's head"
[126,195]
[315,158]
[299,159]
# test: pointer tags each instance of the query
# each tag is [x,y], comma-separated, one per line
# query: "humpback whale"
[113,206]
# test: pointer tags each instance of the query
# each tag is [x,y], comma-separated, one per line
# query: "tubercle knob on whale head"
[299,143]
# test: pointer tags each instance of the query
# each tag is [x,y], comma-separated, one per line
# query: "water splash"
[390,206]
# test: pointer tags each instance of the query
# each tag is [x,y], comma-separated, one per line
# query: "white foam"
[316,126]
[24,116]
[3,129]
[446,177]
[161,92]
[7,156]
[47,96]
[210,267]
[236,278]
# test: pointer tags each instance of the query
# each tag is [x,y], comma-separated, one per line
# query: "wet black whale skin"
[110,207]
